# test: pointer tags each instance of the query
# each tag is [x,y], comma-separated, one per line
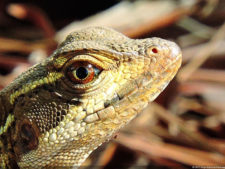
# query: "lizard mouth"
[158,83]
[146,88]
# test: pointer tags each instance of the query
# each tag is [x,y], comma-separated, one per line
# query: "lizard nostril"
[154,50]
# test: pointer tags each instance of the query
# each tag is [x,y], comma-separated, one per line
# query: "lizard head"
[92,85]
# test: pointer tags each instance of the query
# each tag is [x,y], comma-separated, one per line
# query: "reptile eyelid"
[88,58]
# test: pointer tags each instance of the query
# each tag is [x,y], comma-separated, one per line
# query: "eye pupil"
[81,73]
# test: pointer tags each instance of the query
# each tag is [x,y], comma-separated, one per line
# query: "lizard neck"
[2,115]
[5,108]
[6,156]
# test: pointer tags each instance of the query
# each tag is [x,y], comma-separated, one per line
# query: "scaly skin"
[55,114]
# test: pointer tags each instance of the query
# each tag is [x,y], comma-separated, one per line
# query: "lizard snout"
[175,51]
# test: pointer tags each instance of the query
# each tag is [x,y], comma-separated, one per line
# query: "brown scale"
[47,115]
[44,112]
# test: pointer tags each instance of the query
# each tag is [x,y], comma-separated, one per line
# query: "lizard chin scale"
[72,119]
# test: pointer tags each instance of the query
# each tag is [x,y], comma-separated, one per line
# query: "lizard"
[60,110]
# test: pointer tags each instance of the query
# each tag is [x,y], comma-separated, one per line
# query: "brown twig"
[157,23]
[107,155]
[133,18]
[185,155]
[35,15]
[209,75]
[190,52]
[202,55]
[14,45]
[201,140]
[5,80]
[11,61]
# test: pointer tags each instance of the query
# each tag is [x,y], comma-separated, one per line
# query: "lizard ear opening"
[26,137]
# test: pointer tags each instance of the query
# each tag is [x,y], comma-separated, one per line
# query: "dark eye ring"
[82,72]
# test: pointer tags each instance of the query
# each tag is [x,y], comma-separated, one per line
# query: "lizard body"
[56,113]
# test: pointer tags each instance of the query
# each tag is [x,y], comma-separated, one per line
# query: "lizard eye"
[82,72]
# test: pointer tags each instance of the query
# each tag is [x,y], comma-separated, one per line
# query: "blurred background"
[185,126]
